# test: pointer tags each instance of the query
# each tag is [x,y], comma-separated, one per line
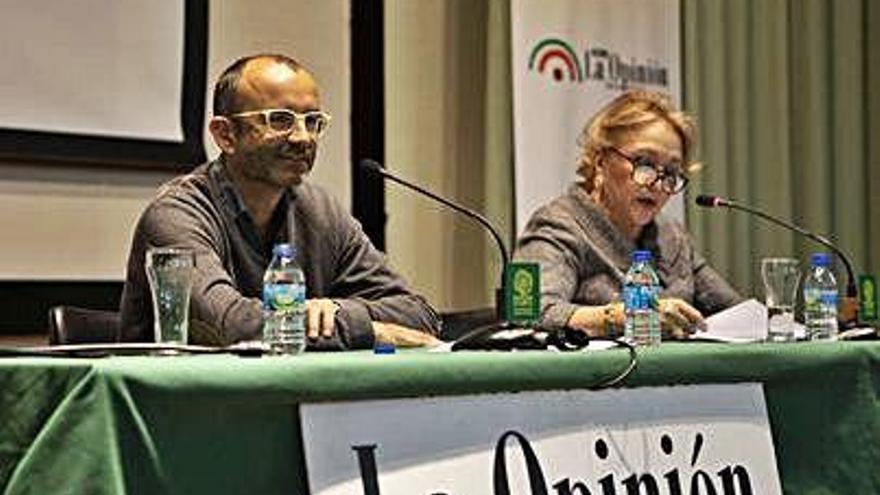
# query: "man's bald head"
[226,91]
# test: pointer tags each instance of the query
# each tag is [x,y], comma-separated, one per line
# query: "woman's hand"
[604,321]
[679,319]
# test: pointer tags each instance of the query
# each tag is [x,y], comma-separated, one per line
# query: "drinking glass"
[170,272]
[780,276]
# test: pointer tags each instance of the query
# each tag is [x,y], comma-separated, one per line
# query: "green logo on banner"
[867,298]
[523,297]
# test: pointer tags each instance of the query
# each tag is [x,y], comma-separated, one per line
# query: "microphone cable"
[622,375]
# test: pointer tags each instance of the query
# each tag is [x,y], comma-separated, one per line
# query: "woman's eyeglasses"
[647,172]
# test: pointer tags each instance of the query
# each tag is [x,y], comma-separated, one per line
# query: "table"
[227,424]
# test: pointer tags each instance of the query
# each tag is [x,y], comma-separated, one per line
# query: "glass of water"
[781,277]
[170,272]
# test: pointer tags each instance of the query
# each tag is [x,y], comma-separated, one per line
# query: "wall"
[447,130]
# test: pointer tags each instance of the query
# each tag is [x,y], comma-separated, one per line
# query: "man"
[267,120]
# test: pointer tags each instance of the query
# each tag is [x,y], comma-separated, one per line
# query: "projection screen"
[118,81]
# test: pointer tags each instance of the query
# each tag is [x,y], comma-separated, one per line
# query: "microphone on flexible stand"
[849,304]
[374,167]
[502,334]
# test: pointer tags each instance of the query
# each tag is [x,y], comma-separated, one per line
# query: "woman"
[635,154]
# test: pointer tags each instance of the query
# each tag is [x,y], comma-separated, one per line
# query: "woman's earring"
[599,178]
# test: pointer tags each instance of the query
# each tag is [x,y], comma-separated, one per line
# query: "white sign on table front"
[683,440]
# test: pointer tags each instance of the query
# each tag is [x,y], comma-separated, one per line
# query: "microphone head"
[371,166]
[709,201]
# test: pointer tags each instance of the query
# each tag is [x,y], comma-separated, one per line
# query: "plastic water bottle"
[640,289]
[820,298]
[284,298]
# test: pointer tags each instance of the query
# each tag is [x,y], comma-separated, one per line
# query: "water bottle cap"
[641,255]
[283,249]
[820,259]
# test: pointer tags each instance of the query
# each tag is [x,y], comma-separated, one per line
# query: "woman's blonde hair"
[628,112]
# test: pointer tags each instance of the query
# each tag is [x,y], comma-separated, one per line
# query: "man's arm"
[219,313]
[400,336]
[366,290]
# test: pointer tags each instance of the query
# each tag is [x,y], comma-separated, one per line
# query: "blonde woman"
[635,154]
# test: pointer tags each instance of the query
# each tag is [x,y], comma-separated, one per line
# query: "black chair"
[458,323]
[73,325]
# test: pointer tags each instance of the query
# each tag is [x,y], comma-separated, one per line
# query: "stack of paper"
[745,322]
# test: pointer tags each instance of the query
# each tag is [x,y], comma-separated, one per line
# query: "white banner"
[570,57]
[665,440]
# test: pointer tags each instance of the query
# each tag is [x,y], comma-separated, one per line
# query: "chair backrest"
[72,325]
[458,323]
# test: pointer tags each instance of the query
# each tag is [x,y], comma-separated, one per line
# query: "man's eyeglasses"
[284,121]
[646,172]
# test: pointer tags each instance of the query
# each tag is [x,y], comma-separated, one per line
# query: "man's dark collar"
[231,197]
[237,210]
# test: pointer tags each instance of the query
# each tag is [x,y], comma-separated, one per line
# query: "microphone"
[502,335]
[849,307]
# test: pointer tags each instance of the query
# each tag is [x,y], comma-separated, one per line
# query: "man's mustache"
[297,152]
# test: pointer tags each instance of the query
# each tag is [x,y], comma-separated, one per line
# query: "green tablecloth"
[226,424]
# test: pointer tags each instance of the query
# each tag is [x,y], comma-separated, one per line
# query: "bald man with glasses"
[231,211]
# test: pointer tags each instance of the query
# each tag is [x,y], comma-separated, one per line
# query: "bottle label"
[814,298]
[283,296]
[828,298]
[639,297]
[811,299]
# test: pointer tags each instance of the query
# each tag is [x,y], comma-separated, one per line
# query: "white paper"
[745,322]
